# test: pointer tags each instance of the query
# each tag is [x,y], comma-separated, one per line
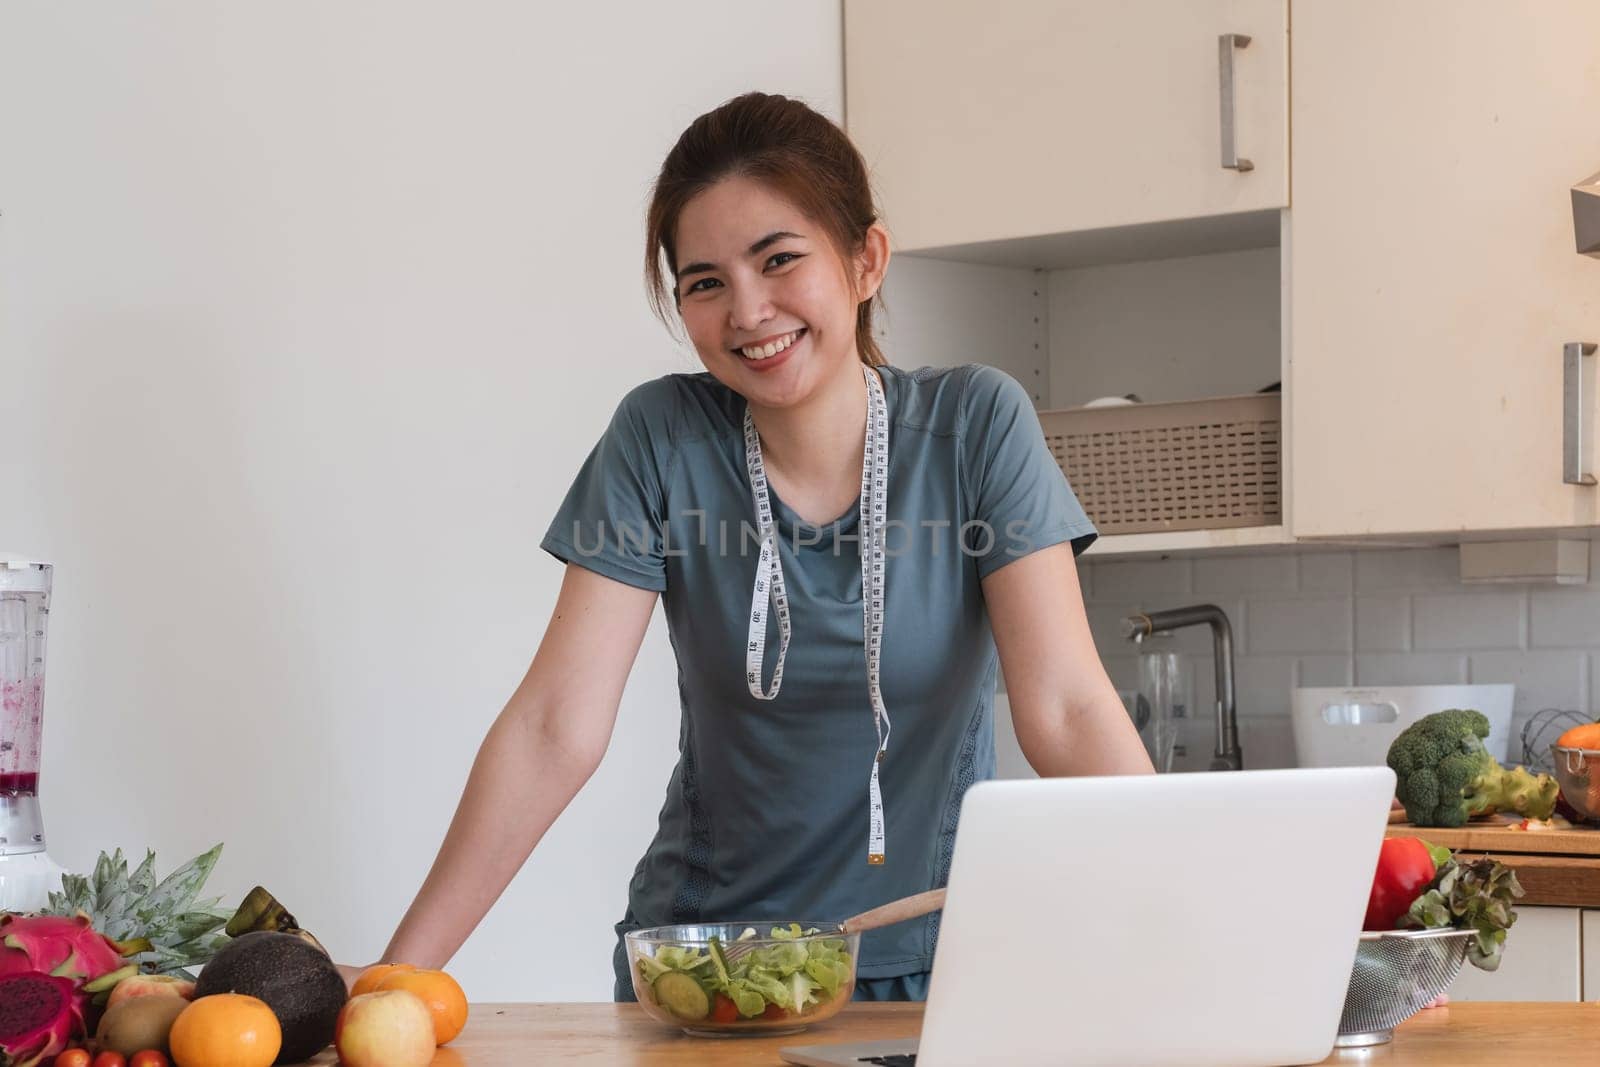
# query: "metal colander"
[1397,973]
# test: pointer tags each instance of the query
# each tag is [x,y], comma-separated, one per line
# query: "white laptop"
[1161,919]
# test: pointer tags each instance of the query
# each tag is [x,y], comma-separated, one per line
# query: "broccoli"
[1446,776]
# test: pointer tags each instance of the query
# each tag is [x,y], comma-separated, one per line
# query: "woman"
[834,541]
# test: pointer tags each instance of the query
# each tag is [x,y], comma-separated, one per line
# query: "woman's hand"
[350,974]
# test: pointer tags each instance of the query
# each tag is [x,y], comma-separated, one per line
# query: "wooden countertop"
[515,1035]
[1557,868]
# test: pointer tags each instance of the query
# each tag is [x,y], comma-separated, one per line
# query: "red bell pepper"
[1406,865]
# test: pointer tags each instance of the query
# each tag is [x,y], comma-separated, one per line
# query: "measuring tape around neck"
[769,584]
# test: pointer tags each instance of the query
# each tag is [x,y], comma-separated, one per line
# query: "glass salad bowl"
[743,978]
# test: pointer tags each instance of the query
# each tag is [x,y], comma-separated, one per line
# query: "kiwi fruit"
[141,1023]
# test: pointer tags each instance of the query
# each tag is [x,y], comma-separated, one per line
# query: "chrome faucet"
[1228,756]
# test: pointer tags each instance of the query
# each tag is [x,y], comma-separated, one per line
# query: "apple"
[389,1028]
[150,985]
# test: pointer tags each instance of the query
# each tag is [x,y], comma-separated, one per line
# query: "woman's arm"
[1068,717]
[540,751]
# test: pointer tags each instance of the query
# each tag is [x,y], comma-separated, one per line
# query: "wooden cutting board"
[1495,835]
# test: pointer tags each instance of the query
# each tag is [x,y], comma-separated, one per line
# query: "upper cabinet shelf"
[1017,121]
[1420,293]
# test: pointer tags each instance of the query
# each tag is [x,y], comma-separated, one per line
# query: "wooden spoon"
[884,915]
[895,911]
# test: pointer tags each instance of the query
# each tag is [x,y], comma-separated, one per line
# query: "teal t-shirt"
[766,814]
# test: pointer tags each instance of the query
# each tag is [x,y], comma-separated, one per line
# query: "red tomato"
[724,1010]
[150,1057]
[1404,870]
[775,1012]
[73,1057]
[110,1059]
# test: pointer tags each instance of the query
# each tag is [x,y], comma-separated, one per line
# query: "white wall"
[310,314]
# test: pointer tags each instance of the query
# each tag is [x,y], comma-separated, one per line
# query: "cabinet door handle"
[1225,46]
[1575,398]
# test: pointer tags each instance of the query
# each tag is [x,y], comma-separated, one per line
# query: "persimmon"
[444,998]
[368,982]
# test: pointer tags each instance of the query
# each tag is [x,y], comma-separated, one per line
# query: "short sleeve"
[1021,501]
[612,519]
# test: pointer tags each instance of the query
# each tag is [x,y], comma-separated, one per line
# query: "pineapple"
[171,929]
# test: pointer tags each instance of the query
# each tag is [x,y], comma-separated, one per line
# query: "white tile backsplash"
[1262,684]
[1300,624]
[1410,668]
[1468,621]
[1543,679]
[1383,623]
[1137,579]
[1231,575]
[1326,572]
[1326,671]
[1563,618]
[1329,618]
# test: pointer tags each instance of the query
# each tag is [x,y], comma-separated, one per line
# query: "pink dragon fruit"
[65,947]
[39,1015]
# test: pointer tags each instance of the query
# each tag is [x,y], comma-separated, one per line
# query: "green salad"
[773,982]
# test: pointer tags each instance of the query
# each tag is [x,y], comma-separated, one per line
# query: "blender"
[1161,708]
[27,874]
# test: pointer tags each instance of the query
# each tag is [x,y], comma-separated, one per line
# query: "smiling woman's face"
[754,271]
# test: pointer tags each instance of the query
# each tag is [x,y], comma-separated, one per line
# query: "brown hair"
[786,146]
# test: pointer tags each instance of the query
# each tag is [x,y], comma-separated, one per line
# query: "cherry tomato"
[150,1057]
[775,1012]
[73,1057]
[110,1059]
[724,1010]
[1405,867]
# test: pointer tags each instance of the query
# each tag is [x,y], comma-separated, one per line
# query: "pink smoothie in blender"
[20,729]
[26,873]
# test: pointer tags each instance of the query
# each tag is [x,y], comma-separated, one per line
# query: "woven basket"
[1190,465]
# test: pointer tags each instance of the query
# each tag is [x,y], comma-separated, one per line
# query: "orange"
[1585,736]
[376,973]
[226,1030]
[444,998]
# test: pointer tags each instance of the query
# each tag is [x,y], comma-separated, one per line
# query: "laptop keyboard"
[908,1060]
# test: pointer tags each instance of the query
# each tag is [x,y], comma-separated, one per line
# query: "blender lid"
[20,575]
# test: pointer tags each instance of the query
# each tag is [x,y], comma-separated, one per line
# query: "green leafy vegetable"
[793,976]
[1478,896]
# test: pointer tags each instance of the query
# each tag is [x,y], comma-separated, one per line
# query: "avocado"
[297,980]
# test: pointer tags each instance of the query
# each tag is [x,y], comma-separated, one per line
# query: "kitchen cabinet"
[1591,955]
[1412,165]
[996,121]
[1542,960]
[1432,265]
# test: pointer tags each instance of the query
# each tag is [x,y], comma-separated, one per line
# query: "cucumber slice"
[681,995]
[719,959]
[651,970]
